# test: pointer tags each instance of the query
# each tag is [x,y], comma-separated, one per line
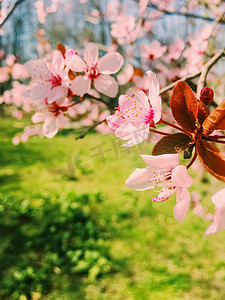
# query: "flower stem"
[217,136]
[211,139]
[159,132]
[192,161]
[173,125]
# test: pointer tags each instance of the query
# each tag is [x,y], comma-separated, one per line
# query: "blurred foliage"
[50,240]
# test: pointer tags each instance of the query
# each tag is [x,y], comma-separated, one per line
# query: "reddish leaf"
[203,112]
[184,106]
[216,120]
[211,158]
[174,143]
[61,48]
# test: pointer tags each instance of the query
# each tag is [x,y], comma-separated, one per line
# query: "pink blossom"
[123,29]
[142,6]
[54,6]
[171,74]
[199,210]
[164,171]
[30,131]
[147,26]
[195,53]
[4,74]
[126,75]
[141,83]
[17,96]
[41,12]
[153,50]
[10,60]
[16,140]
[19,72]
[155,14]
[96,71]
[53,118]
[219,219]
[114,8]
[175,50]
[135,114]
[51,78]
[18,114]
[3,14]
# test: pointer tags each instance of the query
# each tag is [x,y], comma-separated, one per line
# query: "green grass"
[150,255]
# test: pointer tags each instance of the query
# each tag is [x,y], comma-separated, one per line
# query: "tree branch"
[172,85]
[205,69]
[11,11]
[103,101]
[81,136]
[188,15]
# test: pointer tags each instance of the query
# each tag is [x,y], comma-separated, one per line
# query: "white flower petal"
[81,85]
[133,134]
[38,117]
[91,54]
[180,176]
[106,85]
[219,219]
[181,208]
[39,92]
[141,179]
[219,222]
[164,161]
[219,199]
[38,69]
[154,97]
[49,128]
[75,63]
[110,63]
[57,93]
[57,64]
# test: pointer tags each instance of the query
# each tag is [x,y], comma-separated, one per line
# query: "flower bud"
[206,95]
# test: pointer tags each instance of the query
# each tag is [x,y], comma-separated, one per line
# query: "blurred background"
[69,226]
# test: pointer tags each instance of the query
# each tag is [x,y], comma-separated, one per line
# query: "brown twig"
[81,136]
[211,139]
[159,132]
[192,161]
[188,15]
[10,12]
[103,101]
[206,68]
[172,85]
[173,125]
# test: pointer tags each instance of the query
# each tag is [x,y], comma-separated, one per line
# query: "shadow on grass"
[19,156]
[10,179]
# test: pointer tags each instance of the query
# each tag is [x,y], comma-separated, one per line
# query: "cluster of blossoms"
[56,83]
[137,115]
